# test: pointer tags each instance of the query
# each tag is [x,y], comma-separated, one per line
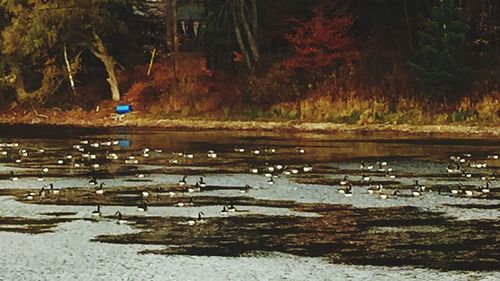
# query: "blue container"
[123,109]
[124,143]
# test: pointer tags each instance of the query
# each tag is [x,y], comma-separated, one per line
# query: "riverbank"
[107,119]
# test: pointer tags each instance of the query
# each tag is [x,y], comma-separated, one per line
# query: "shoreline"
[340,130]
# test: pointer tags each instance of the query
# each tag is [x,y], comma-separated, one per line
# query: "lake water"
[300,227]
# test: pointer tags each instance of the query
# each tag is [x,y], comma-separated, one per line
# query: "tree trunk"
[100,51]
[246,27]
[255,19]
[239,39]
[171,21]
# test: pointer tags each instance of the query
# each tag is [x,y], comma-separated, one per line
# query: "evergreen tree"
[440,61]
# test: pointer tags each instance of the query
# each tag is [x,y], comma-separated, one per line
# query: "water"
[374,227]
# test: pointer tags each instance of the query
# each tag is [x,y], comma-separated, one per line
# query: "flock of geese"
[87,154]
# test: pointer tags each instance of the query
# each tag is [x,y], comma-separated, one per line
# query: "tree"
[321,42]
[40,30]
[440,61]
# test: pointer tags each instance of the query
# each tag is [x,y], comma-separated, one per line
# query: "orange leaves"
[321,41]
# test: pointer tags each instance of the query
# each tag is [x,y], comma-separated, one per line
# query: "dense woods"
[357,61]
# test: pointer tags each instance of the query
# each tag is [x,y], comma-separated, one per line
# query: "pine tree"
[440,61]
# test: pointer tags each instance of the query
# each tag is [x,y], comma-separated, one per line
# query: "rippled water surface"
[442,221]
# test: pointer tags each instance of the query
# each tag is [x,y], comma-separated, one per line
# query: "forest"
[340,61]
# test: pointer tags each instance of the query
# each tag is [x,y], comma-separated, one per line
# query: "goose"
[345,180]
[29,196]
[231,208]
[307,169]
[53,190]
[120,218]
[183,181]
[69,156]
[95,144]
[453,168]
[245,189]
[111,156]
[364,178]
[3,152]
[45,170]
[139,176]
[294,171]
[374,188]
[13,177]
[211,154]
[39,177]
[493,157]
[256,152]
[93,181]
[199,220]
[18,161]
[180,204]
[347,191]
[279,167]
[60,161]
[254,170]
[97,213]
[42,192]
[224,211]
[142,207]
[300,150]
[486,188]
[270,181]
[173,161]
[457,189]
[99,190]
[418,191]
[145,194]
[268,175]
[387,196]
[95,166]
[388,175]
[202,183]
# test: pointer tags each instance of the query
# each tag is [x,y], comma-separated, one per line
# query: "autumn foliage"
[321,41]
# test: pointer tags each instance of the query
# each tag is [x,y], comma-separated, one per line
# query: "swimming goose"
[199,220]
[53,190]
[347,191]
[99,190]
[143,207]
[457,189]
[13,177]
[486,188]
[145,194]
[270,181]
[202,183]
[373,188]
[183,181]
[97,213]
[300,150]
[39,177]
[42,192]
[93,181]
[345,180]
[387,196]
[388,175]
[120,218]
[224,211]
[231,208]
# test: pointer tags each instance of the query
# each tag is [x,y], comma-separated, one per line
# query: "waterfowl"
[143,207]
[93,181]
[139,175]
[300,150]
[199,220]
[42,192]
[97,213]
[202,183]
[29,196]
[254,170]
[388,175]
[231,208]
[13,177]
[45,170]
[183,181]
[173,161]
[60,161]
[347,190]
[307,169]
[99,190]
[111,156]
[145,194]
[365,179]
[345,180]
[493,157]
[120,218]
[453,168]
[18,161]
[180,204]
[211,154]
[39,177]
[387,196]
[270,181]
[374,188]
[53,190]
[256,152]
[95,166]
[224,211]
[486,188]
[457,189]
